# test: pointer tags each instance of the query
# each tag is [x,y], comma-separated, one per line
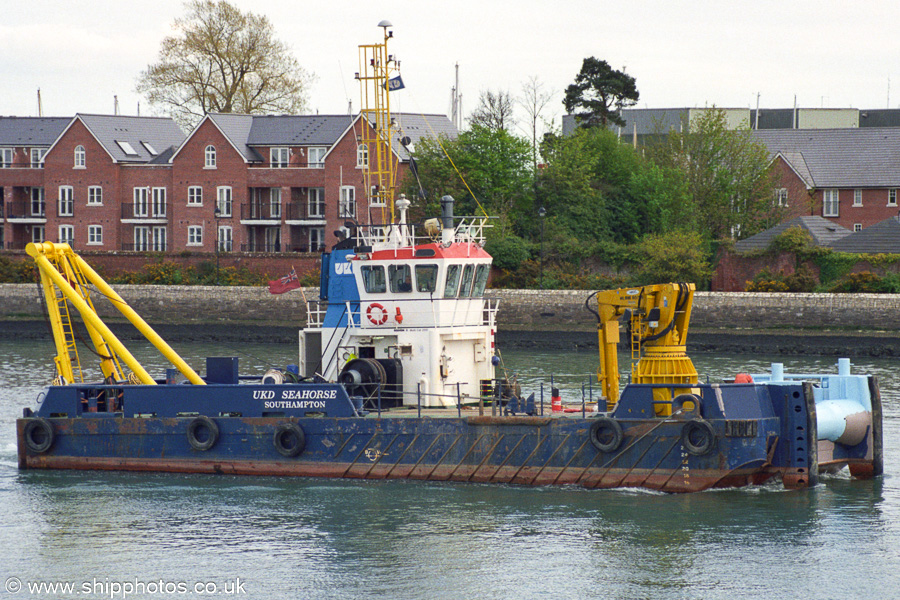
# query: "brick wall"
[531,310]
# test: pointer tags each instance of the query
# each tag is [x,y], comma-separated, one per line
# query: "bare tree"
[494,111]
[224,60]
[534,100]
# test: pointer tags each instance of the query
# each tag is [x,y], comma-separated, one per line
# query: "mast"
[376,67]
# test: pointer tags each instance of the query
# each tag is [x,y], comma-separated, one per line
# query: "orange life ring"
[381,320]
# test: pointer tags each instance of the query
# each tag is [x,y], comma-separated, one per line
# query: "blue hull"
[740,434]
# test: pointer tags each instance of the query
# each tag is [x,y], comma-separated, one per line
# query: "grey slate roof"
[160,133]
[298,130]
[882,237]
[31,131]
[237,129]
[839,158]
[823,232]
[418,126]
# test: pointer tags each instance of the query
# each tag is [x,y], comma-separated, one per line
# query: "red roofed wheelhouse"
[401,312]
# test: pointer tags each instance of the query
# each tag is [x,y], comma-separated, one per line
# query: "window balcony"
[26,211]
[149,212]
[261,211]
[305,212]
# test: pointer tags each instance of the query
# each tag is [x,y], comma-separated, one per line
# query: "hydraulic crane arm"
[658,317]
[64,278]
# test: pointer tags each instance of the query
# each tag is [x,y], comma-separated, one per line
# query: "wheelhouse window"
[481,279]
[401,278]
[373,279]
[80,160]
[279,158]
[465,288]
[209,157]
[452,283]
[426,278]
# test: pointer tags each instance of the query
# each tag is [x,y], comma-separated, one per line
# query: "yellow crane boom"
[64,278]
[657,320]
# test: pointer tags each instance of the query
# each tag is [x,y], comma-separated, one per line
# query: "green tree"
[599,93]
[596,188]
[673,257]
[493,167]
[223,60]
[727,172]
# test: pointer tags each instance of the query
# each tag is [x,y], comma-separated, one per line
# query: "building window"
[362,156]
[347,208]
[279,158]
[95,235]
[210,154]
[6,158]
[316,239]
[37,158]
[225,239]
[141,202]
[79,157]
[66,201]
[830,207]
[149,148]
[375,199]
[159,203]
[317,157]
[37,234]
[141,238]
[223,201]
[95,195]
[892,197]
[195,196]
[37,203]
[67,234]
[857,197]
[127,148]
[195,235]
[781,196]
[857,227]
[317,202]
[275,203]
[159,239]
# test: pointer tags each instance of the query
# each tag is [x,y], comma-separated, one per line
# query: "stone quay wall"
[526,310]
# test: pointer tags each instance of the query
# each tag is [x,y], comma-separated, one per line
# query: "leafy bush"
[508,252]
[867,283]
[16,271]
[675,256]
[801,280]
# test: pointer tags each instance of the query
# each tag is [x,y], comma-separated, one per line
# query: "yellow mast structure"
[65,279]
[376,67]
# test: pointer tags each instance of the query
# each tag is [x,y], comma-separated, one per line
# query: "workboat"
[397,378]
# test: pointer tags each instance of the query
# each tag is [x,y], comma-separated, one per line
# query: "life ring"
[202,433]
[38,435]
[606,434]
[289,439]
[381,320]
[698,437]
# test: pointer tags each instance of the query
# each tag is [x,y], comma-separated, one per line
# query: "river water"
[126,535]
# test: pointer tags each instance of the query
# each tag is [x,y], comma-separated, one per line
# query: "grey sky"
[828,53]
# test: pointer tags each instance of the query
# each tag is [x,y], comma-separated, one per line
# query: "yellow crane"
[66,279]
[657,320]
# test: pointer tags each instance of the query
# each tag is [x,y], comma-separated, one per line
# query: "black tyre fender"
[202,433]
[606,434]
[38,435]
[289,439]
[698,437]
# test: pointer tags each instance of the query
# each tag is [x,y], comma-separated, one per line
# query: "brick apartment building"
[252,183]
